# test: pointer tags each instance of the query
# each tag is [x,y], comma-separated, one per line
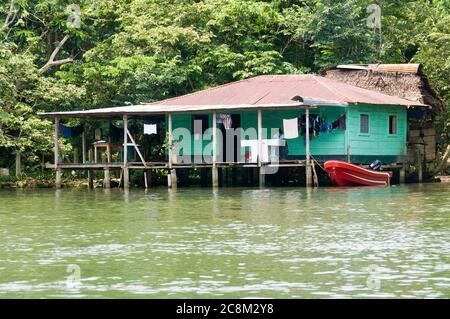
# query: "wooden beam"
[136,148]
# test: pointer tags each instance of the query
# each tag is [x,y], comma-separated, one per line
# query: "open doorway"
[229,124]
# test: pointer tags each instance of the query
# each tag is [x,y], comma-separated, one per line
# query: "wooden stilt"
[214,172]
[90,179]
[126,173]
[215,177]
[316,180]
[402,174]
[172,175]
[126,177]
[58,178]
[172,178]
[145,179]
[106,178]
[307,151]
[56,149]
[262,177]
[120,178]
[149,178]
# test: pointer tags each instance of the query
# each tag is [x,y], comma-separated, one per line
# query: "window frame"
[360,123]
[394,126]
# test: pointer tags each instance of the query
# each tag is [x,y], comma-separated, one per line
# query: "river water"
[234,242]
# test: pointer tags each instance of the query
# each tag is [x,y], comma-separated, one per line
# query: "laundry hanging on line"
[226,121]
[150,129]
[68,131]
[290,128]
[315,123]
[326,127]
[340,123]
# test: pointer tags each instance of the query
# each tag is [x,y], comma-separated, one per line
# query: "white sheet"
[149,129]
[290,128]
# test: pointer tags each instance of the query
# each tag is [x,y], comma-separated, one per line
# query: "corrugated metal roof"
[266,91]
[280,89]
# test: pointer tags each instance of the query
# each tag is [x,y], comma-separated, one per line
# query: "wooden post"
[90,179]
[83,145]
[18,164]
[262,178]
[75,155]
[56,159]
[148,178]
[172,176]
[307,151]
[402,174]
[214,172]
[126,172]
[106,178]
[419,166]
[58,178]
[55,141]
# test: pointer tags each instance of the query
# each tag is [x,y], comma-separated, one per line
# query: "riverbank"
[30,182]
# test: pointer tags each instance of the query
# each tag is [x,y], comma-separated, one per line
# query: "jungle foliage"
[64,55]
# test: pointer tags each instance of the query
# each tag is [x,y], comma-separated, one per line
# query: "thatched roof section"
[403,80]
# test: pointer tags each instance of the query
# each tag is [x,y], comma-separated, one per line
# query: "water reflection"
[272,242]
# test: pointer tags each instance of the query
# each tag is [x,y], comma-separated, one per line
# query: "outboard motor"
[375,166]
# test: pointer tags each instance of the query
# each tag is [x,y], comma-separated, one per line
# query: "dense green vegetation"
[116,52]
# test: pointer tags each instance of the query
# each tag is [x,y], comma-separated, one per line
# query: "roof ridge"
[202,90]
[318,79]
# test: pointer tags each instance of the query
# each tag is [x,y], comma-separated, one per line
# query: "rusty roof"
[282,89]
[265,91]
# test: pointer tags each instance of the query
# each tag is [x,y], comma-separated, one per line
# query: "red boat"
[346,174]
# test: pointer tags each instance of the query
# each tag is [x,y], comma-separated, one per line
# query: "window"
[392,124]
[364,124]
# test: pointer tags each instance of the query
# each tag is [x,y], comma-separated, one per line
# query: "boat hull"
[346,174]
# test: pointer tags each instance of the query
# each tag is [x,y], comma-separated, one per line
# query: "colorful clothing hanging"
[226,121]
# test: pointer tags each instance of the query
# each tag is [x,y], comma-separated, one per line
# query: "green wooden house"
[319,117]
[374,127]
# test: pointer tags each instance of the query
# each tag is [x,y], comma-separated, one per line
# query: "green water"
[283,242]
